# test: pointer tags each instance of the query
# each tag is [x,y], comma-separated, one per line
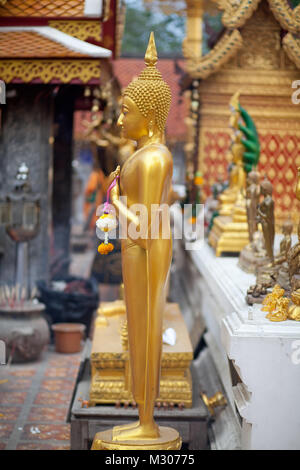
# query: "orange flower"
[105,248]
[198,180]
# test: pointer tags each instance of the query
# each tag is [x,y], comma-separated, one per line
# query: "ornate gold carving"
[237,13]
[260,58]
[177,391]
[47,70]
[288,18]
[110,371]
[213,402]
[223,51]
[79,29]
[291,45]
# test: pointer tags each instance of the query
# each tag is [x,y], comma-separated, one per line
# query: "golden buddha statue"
[270,301]
[230,228]
[237,174]
[280,312]
[145,179]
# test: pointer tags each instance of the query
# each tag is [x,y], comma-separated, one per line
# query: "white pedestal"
[266,355]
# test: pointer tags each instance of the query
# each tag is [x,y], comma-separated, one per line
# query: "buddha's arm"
[125,213]
[152,178]
[155,175]
[260,214]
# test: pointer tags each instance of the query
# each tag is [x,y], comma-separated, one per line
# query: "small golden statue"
[294,310]
[280,313]
[145,179]
[270,301]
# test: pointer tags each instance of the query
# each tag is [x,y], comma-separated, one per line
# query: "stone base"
[250,299]
[169,440]
[250,261]
[228,236]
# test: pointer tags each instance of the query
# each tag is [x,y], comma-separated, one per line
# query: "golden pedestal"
[110,371]
[169,440]
[228,236]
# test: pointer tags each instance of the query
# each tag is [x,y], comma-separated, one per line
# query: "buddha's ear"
[151,115]
[151,122]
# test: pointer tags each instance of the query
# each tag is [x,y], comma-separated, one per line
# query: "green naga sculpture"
[250,141]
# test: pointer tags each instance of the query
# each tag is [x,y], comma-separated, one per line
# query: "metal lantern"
[23,214]
[24,208]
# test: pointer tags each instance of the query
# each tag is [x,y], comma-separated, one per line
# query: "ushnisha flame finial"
[149,91]
[234,102]
[151,52]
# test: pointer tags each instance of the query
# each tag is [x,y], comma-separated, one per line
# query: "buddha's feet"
[141,432]
[124,427]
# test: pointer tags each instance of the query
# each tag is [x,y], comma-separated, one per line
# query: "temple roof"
[235,15]
[52,8]
[44,42]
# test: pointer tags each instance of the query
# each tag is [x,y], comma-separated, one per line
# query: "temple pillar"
[24,137]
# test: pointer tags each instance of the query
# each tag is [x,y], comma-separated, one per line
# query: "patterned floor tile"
[53,398]
[57,432]
[6,430]
[65,360]
[57,385]
[43,413]
[63,372]
[9,413]
[16,384]
[23,372]
[42,446]
[15,398]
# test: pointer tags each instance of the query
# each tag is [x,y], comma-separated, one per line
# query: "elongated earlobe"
[150,131]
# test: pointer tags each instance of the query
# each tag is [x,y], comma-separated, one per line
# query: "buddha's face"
[133,124]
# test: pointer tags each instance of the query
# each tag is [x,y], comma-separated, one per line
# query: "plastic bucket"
[68,337]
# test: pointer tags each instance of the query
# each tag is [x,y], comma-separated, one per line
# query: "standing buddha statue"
[145,179]
[265,215]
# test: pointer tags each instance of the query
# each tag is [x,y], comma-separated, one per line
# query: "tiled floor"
[34,401]
[35,397]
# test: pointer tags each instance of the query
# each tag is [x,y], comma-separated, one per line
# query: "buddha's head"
[146,101]
[253,177]
[266,187]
